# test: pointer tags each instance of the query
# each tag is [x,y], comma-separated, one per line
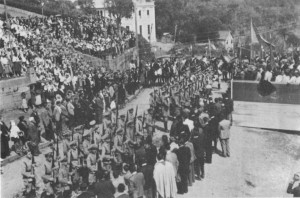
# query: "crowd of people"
[104,154]
[284,69]
[47,42]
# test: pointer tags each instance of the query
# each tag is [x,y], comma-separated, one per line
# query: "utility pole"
[137,37]
[5,9]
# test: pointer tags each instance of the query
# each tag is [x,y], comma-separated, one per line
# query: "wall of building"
[247,91]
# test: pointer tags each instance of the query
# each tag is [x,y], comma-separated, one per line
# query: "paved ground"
[261,164]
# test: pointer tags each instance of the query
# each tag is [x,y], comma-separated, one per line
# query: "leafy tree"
[88,6]
[120,9]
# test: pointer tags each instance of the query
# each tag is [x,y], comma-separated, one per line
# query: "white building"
[226,39]
[145,13]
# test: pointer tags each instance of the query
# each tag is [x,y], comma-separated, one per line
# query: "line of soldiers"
[93,148]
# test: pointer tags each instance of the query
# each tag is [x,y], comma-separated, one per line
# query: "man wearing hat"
[72,157]
[92,163]
[139,127]
[28,166]
[29,184]
[106,139]
[64,174]
[149,123]
[130,139]
[48,163]
[86,141]
[121,122]
[130,114]
[66,142]
[106,120]
[114,115]
[165,109]
[118,145]
[48,189]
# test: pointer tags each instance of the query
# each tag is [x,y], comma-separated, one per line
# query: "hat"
[72,143]
[130,109]
[63,160]
[92,123]
[122,116]
[27,175]
[139,116]
[93,147]
[106,114]
[47,178]
[31,119]
[86,133]
[66,133]
[119,130]
[129,122]
[48,153]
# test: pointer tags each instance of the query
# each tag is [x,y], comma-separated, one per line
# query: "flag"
[258,38]
[254,38]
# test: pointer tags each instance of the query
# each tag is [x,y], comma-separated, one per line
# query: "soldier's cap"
[92,123]
[122,116]
[73,143]
[66,133]
[106,114]
[139,116]
[48,153]
[93,147]
[119,130]
[47,178]
[131,109]
[129,122]
[187,111]
[106,161]
[66,182]
[27,175]
[86,133]
[63,160]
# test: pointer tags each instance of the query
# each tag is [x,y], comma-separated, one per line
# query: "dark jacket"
[198,140]
[184,158]
[295,191]
[104,189]
[147,170]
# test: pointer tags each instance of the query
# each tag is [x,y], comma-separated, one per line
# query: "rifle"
[78,151]
[170,92]
[134,129]
[73,133]
[71,159]
[93,136]
[57,148]
[143,121]
[125,131]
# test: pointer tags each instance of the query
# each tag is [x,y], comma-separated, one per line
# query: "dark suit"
[151,155]
[198,140]
[295,191]
[147,171]
[184,158]
[104,189]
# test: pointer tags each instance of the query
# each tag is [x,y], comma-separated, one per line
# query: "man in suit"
[184,158]
[198,141]
[136,183]
[224,130]
[294,186]
[147,171]
[103,188]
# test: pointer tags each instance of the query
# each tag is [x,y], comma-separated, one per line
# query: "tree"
[120,9]
[87,6]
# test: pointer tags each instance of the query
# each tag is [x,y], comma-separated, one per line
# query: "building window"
[141,30]
[140,13]
[149,30]
[148,13]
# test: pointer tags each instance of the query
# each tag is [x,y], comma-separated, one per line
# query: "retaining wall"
[247,91]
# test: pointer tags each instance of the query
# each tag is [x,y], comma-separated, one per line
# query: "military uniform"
[149,123]
[92,164]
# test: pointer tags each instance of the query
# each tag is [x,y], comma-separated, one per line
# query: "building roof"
[224,34]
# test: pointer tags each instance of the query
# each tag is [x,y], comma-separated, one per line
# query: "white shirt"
[279,78]
[268,76]
[189,123]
